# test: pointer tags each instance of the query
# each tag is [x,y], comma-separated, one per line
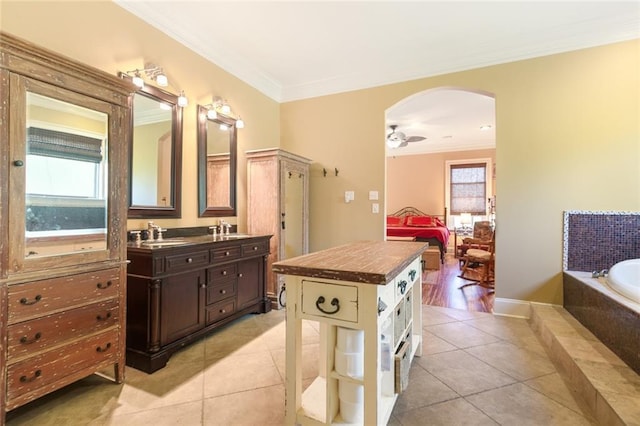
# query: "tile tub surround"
[596,374]
[594,241]
[236,377]
[611,317]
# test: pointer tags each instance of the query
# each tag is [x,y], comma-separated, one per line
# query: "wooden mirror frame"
[174,209]
[205,210]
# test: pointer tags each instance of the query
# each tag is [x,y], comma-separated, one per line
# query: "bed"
[430,228]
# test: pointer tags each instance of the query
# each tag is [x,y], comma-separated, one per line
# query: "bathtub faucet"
[603,273]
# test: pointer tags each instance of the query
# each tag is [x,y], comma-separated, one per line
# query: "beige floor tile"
[463,373]
[454,412]
[177,383]
[240,373]
[518,404]
[188,414]
[460,314]
[309,361]
[431,316]
[461,335]
[424,389]
[262,407]
[432,344]
[553,386]
[519,363]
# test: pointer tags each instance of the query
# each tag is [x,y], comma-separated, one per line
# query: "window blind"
[52,143]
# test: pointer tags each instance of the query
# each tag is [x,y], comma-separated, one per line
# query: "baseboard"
[512,308]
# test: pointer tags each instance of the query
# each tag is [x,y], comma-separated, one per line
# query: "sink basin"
[163,243]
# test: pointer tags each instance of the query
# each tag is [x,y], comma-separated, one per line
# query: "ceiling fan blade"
[415,139]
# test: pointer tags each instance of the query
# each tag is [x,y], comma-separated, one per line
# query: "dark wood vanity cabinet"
[177,294]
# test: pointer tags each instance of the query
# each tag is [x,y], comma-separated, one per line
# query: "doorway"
[441,126]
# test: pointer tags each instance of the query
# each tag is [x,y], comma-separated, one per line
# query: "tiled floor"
[476,369]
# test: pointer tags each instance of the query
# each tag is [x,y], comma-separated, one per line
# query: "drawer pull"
[189,260]
[381,306]
[334,302]
[255,248]
[26,340]
[223,311]
[203,286]
[223,272]
[25,301]
[25,379]
[223,291]
[226,253]
[412,274]
[103,318]
[106,348]
[104,286]
[402,285]
[240,275]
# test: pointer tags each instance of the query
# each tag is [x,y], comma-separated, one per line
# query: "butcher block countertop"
[370,262]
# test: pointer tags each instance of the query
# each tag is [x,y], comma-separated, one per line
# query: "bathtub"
[600,306]
[624,277]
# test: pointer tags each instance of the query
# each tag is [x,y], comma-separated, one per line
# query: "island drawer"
[328,300]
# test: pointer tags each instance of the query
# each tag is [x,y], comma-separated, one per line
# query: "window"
[468,188]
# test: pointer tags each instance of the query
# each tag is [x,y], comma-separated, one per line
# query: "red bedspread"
[440,233]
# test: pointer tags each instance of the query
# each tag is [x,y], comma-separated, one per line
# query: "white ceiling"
[293,50]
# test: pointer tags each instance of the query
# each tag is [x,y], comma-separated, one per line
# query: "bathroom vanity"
[180,289]
[368,286]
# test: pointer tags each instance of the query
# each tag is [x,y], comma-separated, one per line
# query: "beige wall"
[108,37]
[419,180]
[567,132]
[567,137]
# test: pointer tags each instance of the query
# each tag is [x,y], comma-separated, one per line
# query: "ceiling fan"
[397,139]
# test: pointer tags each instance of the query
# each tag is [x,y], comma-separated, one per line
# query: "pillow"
[424,221]
[395,221]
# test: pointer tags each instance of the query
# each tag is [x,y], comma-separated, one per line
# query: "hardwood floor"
[441,288]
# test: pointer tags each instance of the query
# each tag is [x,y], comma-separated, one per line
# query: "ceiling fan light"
[394,143]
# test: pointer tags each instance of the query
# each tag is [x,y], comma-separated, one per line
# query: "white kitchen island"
[372,286]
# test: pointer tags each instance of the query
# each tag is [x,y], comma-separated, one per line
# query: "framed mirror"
[155,167]
[217,147]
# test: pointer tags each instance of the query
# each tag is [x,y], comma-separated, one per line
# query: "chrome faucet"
[603,273]
[151,227]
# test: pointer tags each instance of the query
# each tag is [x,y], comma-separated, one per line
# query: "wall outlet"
[375,208]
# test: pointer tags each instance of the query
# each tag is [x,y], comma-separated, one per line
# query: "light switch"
[349,196]
[375,208]
[373,195]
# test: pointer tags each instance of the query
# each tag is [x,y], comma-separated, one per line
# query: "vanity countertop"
[369,262]
[176,242]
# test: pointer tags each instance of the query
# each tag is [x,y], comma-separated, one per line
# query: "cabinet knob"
[224,272]
[18,163]
[189,260]
[223,311]
[255,248]
[223,291]
[226,253]
[239,275]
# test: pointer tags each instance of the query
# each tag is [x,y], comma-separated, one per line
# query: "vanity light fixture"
[152,72]
[221,106]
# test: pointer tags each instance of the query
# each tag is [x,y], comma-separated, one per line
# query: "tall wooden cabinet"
[62,243]
[278,205]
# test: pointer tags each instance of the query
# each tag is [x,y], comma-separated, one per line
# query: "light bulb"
[226,109]
[239,123]
[137,80]
[182,100]
[212,114]
[224,126]
[161,79]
